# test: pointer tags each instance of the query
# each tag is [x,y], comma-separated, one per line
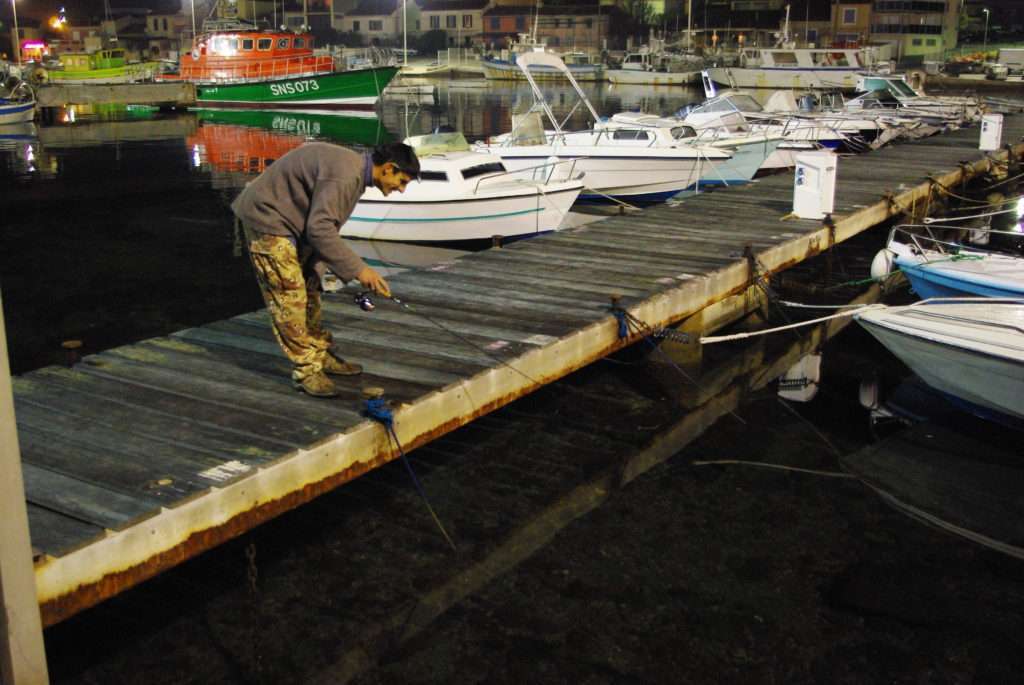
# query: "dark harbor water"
[116,228]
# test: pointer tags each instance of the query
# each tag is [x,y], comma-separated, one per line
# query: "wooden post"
[22,659]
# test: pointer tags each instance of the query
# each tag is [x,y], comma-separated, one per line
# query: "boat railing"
[549,165]
[248,70]
[925,240]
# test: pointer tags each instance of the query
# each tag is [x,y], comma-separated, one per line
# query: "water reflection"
[168,164]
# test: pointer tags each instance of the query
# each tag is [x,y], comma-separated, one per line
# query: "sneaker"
[340,367]
[317,385]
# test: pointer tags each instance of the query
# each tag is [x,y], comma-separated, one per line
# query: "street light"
[17,36]
[984,44]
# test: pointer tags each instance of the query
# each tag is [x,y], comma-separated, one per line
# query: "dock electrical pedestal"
[814,184]
[991,132]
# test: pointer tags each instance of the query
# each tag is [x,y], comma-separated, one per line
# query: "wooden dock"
[143,456]
[167,94]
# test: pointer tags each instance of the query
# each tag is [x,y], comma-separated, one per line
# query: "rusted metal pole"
[22,658]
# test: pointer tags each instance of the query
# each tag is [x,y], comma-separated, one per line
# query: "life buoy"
[195,53]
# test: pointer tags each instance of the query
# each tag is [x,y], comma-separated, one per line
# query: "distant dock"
[140,457]
[164,94]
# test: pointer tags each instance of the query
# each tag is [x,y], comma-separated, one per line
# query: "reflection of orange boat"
[224,147]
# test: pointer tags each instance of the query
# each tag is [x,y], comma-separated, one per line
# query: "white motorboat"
[969,349]
[17,104]
[505,66]
[737,111]
[910,102]
[750,151]
[614,166]
[940,268]
[653,68]
[463,195]
[794,68]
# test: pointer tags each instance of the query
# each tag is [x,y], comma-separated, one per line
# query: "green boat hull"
[363,130]
[355,89]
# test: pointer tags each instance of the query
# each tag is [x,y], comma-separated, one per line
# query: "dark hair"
[399,154]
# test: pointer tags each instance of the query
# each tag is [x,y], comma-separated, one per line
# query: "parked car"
[994,71]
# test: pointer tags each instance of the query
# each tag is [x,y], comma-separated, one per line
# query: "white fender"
[882,265]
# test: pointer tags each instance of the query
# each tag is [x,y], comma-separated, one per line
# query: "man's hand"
[369,278]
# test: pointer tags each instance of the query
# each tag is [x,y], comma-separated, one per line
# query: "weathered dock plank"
[215,398]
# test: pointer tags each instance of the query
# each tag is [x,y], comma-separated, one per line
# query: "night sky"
[80,11]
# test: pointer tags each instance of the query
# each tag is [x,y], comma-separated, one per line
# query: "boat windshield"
[902,88]
[745,103]
[437,143]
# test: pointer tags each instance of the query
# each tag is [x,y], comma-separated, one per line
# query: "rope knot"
[376,408]
[621,316]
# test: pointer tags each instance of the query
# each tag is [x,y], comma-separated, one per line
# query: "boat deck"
[140,457]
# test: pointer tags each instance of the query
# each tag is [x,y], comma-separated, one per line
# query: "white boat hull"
[637,77]
[412,219]
[502,71]
[783,77]
[17,112]
[972,351]
[637,177]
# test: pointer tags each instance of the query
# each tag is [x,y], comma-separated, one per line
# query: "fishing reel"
[365,303]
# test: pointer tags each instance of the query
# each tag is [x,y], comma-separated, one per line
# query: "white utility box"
[814,184]
[991,132]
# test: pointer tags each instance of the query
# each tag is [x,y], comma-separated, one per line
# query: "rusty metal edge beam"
[85,577]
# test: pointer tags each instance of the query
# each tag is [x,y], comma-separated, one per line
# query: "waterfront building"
[461,20]
[581,26]
[379,21]
[316,15]
[919,30]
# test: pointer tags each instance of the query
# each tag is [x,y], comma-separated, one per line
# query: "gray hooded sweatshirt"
[307,195]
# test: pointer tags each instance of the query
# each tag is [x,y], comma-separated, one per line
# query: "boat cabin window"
[680,132]
[433,175]
[247,43]
[634,58]
[630,134]
[831,59]
[481,169]
[282,43]
[222,45]
[300,42]
[784,59]
[264,44]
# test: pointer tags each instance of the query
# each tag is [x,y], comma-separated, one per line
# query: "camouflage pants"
[292,293]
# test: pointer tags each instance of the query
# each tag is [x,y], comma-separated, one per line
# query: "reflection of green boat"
[320,125]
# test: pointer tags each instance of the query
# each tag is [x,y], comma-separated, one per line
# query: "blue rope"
[620,315]
[376,408]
